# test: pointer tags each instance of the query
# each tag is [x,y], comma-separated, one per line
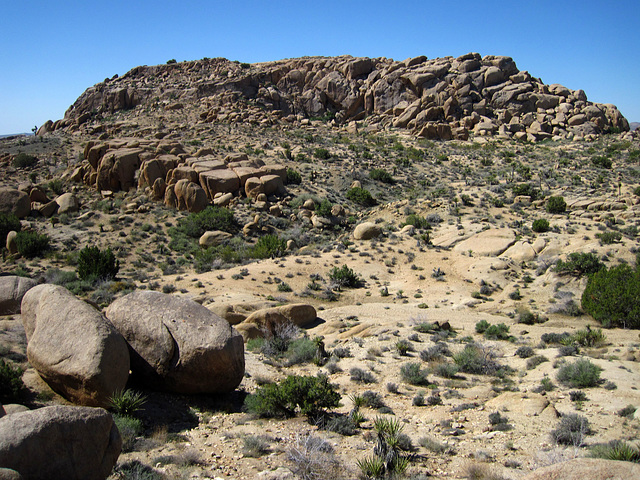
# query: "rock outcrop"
[73,347]
[74,443]
[177,344]
[444,98]
[12,289]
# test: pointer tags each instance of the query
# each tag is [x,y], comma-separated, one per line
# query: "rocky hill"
[443,98]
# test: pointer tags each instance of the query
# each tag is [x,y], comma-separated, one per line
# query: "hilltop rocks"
[74,443]
[12,289]
[72,346]
[177,344]
[443,98]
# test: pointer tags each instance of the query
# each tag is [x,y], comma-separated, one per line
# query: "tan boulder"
[223,181]
[182,172]
[300,314]
[489,243]
[216,237]
[12,290]
[68,203]
[15,202]
[520,252]
[190,196]
[223,199]
[12,246]
[253,187]
[272,184]
[159,188]
[72,346]
[117,169]
[177,344]
[366,231]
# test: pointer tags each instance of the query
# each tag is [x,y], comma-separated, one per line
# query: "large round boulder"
[74,443]
[268,319]
[366,231]
[12,289]
[73,347]
[177,344]
[15,202]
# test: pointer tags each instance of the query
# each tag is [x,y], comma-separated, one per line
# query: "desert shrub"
[435,352]
[497,332]
[301,350]
[313,458]
[323,209]
[527,317]
[627,411]
[417,221]
[579,374]
[499,422]
[607,238]
[446,370]
[359,375]
[571,430]
[23,160]
[293,177]
[602,162]
[255,446]
[194,225]
[482,326]
[425,327]
[586,337]
[433,445]
[616,450]
[525,352]
[94,263]
[345,277]
[556,205]
[126,402]
[11,385]
[56,186]
[361,196]
[372,400]
[540,225]
[568,351]
[341,424]
[129,428]
[579,264]
[612,297]
[554,338]
[636,191]
[546,384]
[381,175]
[525,189]
[413,374]
[269,246]
[536,360]
[32,244]
[321,153]
[8,222]
[418,400]
[403,347]
[310,395]
[476,359]
[577,396]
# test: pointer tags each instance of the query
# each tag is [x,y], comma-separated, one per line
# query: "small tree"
[540,225]
[93,263]
[612,297]
[556,205]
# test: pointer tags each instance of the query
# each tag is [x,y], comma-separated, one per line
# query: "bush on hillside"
[94,263]
[345,277]
[22,160]
[269,246]
[612,297]
[579,264]
[32,244]
[580,374]
[361,196]
[11,385]
[8,223]
[556,205]
[381,175]
[540,225]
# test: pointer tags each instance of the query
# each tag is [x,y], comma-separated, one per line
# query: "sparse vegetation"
[580,374]
[96,264]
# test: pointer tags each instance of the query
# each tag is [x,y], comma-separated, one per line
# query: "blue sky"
[50,52]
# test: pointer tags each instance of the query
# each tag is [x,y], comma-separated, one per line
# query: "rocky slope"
[442,98]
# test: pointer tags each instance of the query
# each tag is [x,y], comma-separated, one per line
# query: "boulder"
[9,474]
[67,203]
[272,184]
[12,246]
[15,202]
[587,468]
[177,344]
[12,289]
[223,181]
[117,169]
[489,243]
[60,442]
[300,314]
[520,252]
[73,347]
[366,231]
[253,187]
[216,237]
[190,196]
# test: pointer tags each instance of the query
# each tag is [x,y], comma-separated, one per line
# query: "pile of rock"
[443,98]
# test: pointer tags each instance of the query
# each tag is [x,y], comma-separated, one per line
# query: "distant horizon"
[585,45]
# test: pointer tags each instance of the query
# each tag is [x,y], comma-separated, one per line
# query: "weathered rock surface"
[177,344]
[73,347]
[300,314]
[12,289]
[489,243]
[366,231]
[15,202]
[591,468]
[60,442]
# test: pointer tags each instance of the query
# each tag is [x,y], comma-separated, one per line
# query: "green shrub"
[309,395]
[321,153]
[602,162]
[56,186]
[579,264]
[22,160]
[94,263]
[323,209]
[636,191]
[608,238]
[32,244]
[293,177]
[579,374]
[381,175]
[8,223]
[571,430]
[269,246]
[499,423]
[11,385]
[536,360]
[361,196]
[475,359]
[497,332]
[586,338]
[211,218]
[556,205]
[301,350]
[359,375]
[525,189]
[540,225]
[345,277]
[482,326]
[525,352]
[417,221]
[129,428]
[446,370]
[413,374]
[616,450]
[627,411]
[612,297]
[126,402]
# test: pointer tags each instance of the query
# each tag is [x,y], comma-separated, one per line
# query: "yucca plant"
[371,467]
[127,402]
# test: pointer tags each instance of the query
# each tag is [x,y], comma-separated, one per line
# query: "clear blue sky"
[50,52]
